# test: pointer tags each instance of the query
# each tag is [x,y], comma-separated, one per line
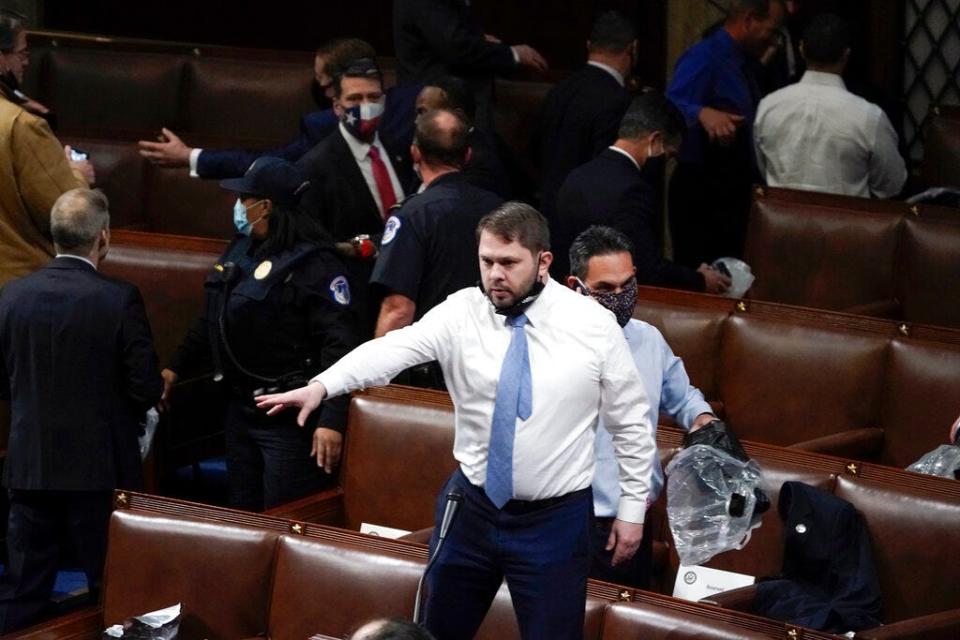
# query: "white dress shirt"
[668,387]
[361,151]
[817,136]
[581,371]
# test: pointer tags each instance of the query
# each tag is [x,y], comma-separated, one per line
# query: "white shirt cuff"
[632,511]
[334,384]
[516,56]
[194,156]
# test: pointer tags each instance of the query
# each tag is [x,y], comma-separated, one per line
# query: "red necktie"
[381,176]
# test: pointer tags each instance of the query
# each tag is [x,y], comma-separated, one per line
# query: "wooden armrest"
[325,507]
[737,599]
[855,443]
[421,535]
[944,625]
[880,309]
[84,624]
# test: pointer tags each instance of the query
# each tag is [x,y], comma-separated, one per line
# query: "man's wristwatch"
[364,246]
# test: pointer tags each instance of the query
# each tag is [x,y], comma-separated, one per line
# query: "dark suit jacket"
[486,169]
[609,190]
[79,364]
[434,38]
[340,199]
[829,580]
[580,118]
[397,124]
[338,195]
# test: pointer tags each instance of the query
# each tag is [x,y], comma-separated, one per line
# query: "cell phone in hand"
[76,155]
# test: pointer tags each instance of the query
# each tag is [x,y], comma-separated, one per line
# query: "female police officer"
[277,308]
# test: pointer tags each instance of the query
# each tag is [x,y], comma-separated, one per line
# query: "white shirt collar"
[81,258]
[613,72]
[621,151]
[823,78]
[360,149]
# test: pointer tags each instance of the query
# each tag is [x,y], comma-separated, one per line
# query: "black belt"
[522,507]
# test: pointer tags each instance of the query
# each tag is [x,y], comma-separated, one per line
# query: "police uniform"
[429,245]
[266,325]
[429,250]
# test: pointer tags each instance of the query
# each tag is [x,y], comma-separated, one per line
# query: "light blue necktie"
[514,400]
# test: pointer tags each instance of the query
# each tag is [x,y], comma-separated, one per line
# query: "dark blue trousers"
[542,548]
[43,527]
[268,459]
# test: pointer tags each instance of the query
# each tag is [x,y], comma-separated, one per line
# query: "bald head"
[441,138]
[76,220]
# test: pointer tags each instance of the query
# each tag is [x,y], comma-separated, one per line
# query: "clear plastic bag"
[710,502]
[163,624]
[943,462]
[741,275]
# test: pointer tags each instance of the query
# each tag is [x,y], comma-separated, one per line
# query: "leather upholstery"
[644,621]
[913,533]
[268,98]
[921,398]
[929,270]
[155,562]
[126,94]
[178,204]
[809,254]
[120,175]
[824,381]
[404,444]
[781,382]
[329,587]
[859,255]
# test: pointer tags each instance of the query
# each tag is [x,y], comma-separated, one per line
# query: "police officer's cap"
[272,178]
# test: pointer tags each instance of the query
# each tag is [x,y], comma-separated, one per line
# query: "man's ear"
[546,259]
[415,154]
[573,284]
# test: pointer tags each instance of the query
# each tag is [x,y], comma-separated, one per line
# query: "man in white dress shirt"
[531,367]
[817,136]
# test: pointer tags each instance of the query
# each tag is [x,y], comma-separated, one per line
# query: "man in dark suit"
[612,190]
[397,122]
[79,366]
[434,38]
[580,115]
[356,176]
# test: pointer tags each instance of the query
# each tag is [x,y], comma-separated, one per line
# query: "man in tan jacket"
[34,168]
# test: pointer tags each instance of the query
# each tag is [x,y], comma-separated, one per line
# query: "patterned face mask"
[621,303]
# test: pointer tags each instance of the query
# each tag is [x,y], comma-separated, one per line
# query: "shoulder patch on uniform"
[390,230]
[340,289]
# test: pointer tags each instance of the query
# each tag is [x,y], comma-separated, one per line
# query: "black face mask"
[319,95]
[520,305]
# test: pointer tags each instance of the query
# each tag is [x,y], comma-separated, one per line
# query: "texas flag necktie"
[381,177]
[514,400]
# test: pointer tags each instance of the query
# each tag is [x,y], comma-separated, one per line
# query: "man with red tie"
[356,177]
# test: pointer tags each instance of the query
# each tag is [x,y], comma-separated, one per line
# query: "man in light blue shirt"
[601,266]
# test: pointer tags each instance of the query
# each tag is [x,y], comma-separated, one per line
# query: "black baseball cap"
[272,178]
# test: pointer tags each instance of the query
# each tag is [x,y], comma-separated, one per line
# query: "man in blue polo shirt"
[715,87]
